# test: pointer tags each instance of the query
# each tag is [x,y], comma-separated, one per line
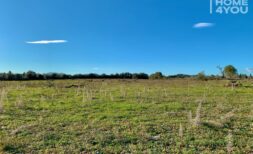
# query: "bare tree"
[221,70]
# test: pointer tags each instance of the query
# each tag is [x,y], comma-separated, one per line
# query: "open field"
[125,116]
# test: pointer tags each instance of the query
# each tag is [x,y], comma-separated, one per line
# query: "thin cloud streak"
[47,42]
[203,25]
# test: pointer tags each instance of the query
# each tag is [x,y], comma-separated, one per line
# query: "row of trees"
[229,72]
[31,75]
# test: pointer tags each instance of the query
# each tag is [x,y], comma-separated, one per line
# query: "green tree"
[156,76]
[9,75]
[201,76]
[230,71]
[30,75]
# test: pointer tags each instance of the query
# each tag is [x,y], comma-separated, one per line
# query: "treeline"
[31,75]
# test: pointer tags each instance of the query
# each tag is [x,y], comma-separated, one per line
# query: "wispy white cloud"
[249,70]
[47,41]
[203,25]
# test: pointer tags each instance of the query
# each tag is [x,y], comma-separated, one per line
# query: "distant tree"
[39,76]
[181,76]
[143,76]
[221,71]
[140,76]
[243,76]
[230,71]
[157,75]
[17,77]
[125,75]
[201,76]
[135,76]
[5,76]
[1,76]
[212,77]
[10,75]
[30,75]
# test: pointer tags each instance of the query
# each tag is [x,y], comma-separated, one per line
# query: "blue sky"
[122,36]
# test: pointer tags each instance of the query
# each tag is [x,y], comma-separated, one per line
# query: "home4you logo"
[229,6]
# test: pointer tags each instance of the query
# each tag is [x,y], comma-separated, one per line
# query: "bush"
[156,76]
[201,76]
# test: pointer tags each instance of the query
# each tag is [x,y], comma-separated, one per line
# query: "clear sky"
[108,36]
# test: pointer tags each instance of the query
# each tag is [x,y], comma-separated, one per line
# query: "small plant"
[78,91]
[227,117]
[84,98]
[165,93]
[230,142]
[42,98]
[87,95]
[111,97]
[2,96]
[214,124]
[180,132]
[155,138]
[1,105]
[20,129]
[190,117]
[101,93]
[220,123]
[19,102]
[197,120]
[122,92]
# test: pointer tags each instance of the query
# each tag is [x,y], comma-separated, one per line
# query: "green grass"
[124,116]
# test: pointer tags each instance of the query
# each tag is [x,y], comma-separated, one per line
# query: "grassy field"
[125,116]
